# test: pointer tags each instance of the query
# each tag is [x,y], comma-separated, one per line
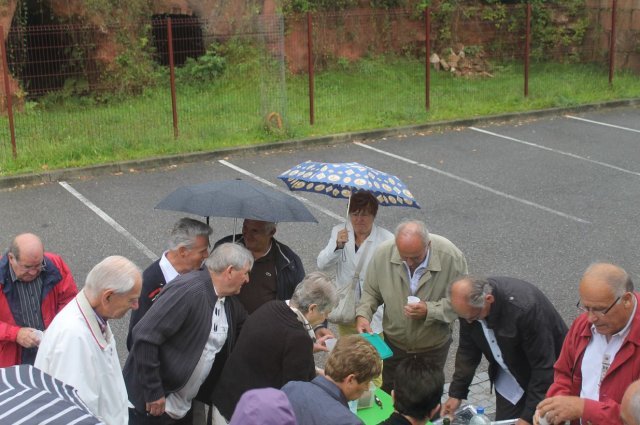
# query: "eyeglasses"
[597,311]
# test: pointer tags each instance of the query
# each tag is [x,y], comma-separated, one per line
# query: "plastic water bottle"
[480,418]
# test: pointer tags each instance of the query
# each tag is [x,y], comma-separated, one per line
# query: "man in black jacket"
[187,248]
[276,271]
[181,344]
[519,332]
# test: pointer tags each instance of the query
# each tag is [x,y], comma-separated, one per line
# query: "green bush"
[204,69]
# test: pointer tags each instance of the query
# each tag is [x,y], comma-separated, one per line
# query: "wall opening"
[187,34]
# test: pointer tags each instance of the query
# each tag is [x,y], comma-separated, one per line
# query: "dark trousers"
[435,357]
[506,410]
[141,418]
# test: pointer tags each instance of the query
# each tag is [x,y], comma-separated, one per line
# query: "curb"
[53,176]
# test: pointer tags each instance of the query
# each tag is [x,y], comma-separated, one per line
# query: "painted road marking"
[288,192]
[478,185]
[569,154]
[103,215]
[603,123]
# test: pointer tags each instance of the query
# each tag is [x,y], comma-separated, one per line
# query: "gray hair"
[479,289]
[316,288]
[413,227]
[116,273]
[229,254]
[615,276]
[185,232]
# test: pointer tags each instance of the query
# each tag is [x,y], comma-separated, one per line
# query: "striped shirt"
[30,297]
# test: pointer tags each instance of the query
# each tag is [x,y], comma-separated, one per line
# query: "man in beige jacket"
[419,265]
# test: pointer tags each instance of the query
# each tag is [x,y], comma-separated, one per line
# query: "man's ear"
[106,296]
[434,411]
[490,298]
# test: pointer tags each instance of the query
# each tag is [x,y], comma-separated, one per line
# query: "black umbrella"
[236,199]
[30,396]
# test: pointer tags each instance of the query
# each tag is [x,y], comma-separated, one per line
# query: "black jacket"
[288,266]
[529,332]
[168,341]
[152,283]
[273,349]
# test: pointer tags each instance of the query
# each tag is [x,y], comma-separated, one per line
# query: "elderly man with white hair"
[182,343]
[79,348]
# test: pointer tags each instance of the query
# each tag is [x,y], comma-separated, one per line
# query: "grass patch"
[230,111]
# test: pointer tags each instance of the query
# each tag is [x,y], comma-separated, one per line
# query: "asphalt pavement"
[537,198]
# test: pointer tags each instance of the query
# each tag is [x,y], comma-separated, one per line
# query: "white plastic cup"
[330,343]
[412,299]
[39,335]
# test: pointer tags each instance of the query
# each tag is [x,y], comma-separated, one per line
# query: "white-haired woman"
[276,343]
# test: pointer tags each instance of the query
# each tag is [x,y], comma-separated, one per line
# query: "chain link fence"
[217,84]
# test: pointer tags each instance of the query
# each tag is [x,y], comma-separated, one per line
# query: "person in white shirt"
[350,248]
[79,348]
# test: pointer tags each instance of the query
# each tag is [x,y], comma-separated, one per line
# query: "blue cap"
[480,410]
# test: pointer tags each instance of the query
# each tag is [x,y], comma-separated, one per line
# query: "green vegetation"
[232,109]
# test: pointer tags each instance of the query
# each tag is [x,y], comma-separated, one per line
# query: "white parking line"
[103,215]
[288,192]
[478,185]
[572,155]
[603,123]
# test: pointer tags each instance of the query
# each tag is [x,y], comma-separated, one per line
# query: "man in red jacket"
[600,356]
[34,287]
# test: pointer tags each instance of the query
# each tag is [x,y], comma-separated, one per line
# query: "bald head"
[630,407]
[471,297]
[26,244]
[606,294]
[601,274]
[26,254]
[412,241]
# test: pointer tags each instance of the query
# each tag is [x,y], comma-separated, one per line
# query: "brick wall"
[627,50]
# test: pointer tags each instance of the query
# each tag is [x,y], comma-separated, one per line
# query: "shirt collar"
[168,271]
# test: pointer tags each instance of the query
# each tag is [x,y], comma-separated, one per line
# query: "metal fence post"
[310,68]
[527,50]
[612,42]
[427,60]
[7,93]
[172,78]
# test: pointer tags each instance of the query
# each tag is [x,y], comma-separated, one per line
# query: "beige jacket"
[387,282]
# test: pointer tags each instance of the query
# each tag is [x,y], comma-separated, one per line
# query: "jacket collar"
[330,388]
[90,319]
[50,275]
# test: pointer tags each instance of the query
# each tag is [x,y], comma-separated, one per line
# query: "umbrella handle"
[346,220]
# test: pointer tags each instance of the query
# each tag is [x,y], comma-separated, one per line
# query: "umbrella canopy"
[236,199]
[338,180]
[30,396]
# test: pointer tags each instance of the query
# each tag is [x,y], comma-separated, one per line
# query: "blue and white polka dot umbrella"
[338,180]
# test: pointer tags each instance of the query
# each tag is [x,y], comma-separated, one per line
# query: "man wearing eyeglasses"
[600,357]
[34,286]
[519,332]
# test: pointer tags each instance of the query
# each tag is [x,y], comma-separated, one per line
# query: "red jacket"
[624,370]
[58,288]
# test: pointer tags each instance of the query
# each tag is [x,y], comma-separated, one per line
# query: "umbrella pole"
[346,220]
